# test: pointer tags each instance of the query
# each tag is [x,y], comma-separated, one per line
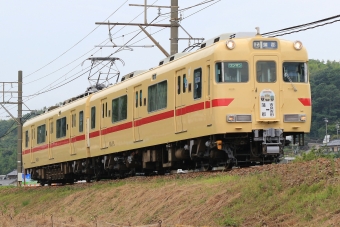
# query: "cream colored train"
[232,102]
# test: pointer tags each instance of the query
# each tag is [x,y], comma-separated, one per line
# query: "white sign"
[267,104]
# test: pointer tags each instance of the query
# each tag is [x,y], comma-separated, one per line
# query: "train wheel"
[42,183]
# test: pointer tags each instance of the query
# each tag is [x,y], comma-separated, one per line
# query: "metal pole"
[145,20]
[19,146]
[174,27]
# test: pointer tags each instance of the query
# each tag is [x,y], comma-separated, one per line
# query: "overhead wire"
[285,31]
[53,88]
[76,43]
[32,96]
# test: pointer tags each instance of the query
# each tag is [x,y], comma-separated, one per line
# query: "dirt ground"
[164,202]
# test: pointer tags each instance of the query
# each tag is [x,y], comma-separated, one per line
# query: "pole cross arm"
[14,118]
[137,24]
[155,42]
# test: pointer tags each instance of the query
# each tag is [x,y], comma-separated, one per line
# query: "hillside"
[295,194]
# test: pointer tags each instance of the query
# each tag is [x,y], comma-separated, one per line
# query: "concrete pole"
[174,27]
[19,146]
[145,16]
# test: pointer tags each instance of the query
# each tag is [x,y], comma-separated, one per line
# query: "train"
[232,102]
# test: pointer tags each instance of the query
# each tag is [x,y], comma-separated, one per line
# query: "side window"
[81,121]
[197,83]
[93,117]
[266,71]
[26,138]
[295,72]
[74,120]
[185,83]
[231,72]
[136,99]
[61,127]
[51,128]
[179,85]
[103,110]
[140,98]
[119,109]
[41,134]
[157,96]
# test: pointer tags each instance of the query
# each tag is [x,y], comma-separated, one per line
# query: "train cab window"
[41,134]
[232,72]
[197,83]
[26,138]
[81,121]
[93,117]
[266,71]
[61,127]
[185,83]
[157,96]
[119,109]
[295,72]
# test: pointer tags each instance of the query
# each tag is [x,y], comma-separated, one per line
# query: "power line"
[75,44]
[285,30]
[181,10]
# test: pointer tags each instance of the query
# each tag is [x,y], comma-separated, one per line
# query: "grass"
[249,198]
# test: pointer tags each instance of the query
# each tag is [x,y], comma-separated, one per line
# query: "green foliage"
[325,87]
[314,154]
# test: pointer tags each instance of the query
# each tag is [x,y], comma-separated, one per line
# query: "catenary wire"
[76,43]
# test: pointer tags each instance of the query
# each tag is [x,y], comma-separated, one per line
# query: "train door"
[73,119]
[50,138]
[32,143]
[181,97]
[267,88]
[103,123]
[136,113]
[208,86]
[178,101]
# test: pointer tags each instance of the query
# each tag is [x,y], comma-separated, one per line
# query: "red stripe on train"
[154,118]
[117,128]
[305,101]
[221,102]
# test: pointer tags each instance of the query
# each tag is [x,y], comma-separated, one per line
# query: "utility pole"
[18,119]
[174,27]
[174,24]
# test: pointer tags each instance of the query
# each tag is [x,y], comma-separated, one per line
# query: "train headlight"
[231,118]
[294,118]
[230,44]
[302,117]
[298,45]
[239,118]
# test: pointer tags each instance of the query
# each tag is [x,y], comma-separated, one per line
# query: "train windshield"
[295,71]
[266,71]
[232,72]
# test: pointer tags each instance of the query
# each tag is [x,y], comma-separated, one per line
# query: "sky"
[51,40]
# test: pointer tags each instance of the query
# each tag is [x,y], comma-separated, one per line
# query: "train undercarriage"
[222,151]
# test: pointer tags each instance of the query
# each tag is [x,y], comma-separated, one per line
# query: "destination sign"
[235,65]
[265,45]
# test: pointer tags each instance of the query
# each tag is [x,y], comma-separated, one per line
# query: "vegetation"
[297,194]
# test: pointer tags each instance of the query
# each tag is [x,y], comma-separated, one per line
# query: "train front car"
[262,95]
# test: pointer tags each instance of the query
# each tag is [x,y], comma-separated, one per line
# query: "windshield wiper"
[290,80]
